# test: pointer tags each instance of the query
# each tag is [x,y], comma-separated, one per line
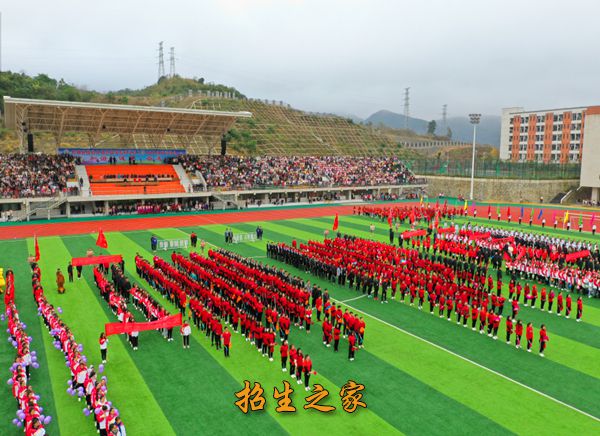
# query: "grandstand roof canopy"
[28,115]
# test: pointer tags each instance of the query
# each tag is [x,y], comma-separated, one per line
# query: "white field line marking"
[352,299]
[562,403]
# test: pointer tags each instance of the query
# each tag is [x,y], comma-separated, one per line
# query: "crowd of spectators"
[234,172]
[42,175]
[34,175]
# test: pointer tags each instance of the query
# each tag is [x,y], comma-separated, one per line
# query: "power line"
[161,61]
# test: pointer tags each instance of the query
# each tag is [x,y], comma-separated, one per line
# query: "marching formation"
[30,413]
[84,380]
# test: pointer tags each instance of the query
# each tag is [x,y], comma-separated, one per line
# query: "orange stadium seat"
[102,184]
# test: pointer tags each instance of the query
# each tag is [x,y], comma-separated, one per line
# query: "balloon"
[14,344]
[70,391]
[59,309]
[80,348]
[21,415]
[101,368]
[86,411]
[30,338]
[10,381]
[8,331]
[47,420]
[104,377]
[35,365]
[19,424]
[15,421]
[97,410]
[34,353]
[67,363]
[70,382]
[41,408]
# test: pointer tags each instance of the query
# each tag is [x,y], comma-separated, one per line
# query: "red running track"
[144,223]
[128,224]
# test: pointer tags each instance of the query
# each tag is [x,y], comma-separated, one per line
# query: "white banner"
[172,244]
[244,237]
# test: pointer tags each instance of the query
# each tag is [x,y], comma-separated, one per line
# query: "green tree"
[431,127]
[449,133]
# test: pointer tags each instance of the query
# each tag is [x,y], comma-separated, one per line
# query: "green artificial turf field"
[422,374]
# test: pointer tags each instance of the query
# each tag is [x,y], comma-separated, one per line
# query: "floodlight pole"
[474,118]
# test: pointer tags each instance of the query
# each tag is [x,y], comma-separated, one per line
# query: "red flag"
[336,222]
[489,209]
[101,241]
[508,212]
[390,218]
[37,249]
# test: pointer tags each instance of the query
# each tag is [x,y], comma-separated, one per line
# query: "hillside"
[274,128]
[488,131]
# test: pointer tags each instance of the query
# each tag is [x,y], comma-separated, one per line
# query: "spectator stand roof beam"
[143,126]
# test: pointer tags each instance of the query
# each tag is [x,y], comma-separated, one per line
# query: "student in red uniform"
[579,309]
[474,315]
[292,361]
[550,300]
[568,306]
[283,351]
[543,339]
[299,365]
[534,295]
[336,337]
[496,325]
[529,336]
[543,298]
[482,320]
[226,341]
[518,333]
[351,346]
[307,368]
[103,346]
[509,328]
[559,304]
[515,308]
[308,317]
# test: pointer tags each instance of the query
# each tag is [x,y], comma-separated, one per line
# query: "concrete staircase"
[184,179]
[81,173]
[40,209]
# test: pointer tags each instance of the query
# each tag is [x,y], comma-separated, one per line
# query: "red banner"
[413,233]
[476,236]
[116,328]
[503,240]
[445,230]
[96,260]
[572,257]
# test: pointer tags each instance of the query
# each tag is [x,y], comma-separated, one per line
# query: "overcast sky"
[343,56]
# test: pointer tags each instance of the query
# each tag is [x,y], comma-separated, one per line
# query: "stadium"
[183,260]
